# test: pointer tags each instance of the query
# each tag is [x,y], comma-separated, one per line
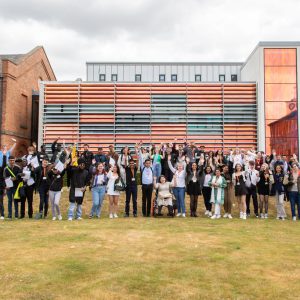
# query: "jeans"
[10,196]
[54,197]
[157,170]
[131,191]
[71,210]
[179,193]
[295,200]
[44,200]
[280,205]
[98,193]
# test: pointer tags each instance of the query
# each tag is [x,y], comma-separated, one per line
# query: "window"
[233,77]
[222,77]
[174,77]
[102,77]
[114,77]
[138,77]
[197,78]
[162,77]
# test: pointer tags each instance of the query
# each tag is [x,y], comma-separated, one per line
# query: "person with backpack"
[11,172]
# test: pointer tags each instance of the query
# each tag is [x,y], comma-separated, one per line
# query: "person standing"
[193,182]
[12,171]
[131,188]
[217,183]
[206,190]
[263,187]
[179,189]
[252,178]
[279,179]
[98,188]
[42,186]
[87,156]
[113,175]
[79,182]
[227,192]
[238,179]
[294,190]
[147,187]
[2,185]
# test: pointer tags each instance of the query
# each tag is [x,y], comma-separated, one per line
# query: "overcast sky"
[74,32]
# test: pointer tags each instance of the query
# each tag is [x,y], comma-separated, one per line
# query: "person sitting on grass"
[217,183]
[79,182]
[164,195]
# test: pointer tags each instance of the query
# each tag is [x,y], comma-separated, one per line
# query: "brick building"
[19,96]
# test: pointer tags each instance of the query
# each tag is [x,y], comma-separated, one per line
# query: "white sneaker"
[218,216]
[244,216]
[229,216]
[178,215]
[226,215]
[262,216]
[183,215]
[206,212]
[111,216]
[59,217]
[1,218]
[266,216]
[214,217]
[115,216]
[209,214]
[283,218]
[70,219]
[294,219]
[54,218]
[79,218]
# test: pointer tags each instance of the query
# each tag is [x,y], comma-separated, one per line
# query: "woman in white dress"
[113,175]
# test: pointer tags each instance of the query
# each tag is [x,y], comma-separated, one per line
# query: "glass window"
[102,77]
[138,77]
[162,77]
[174,77]
[233,77]
[222,77]
[114,77]
[197,77]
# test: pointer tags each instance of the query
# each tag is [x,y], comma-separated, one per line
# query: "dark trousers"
[147,190]
[29,197]
[10,195]
[44,200]
[1,203]
[22,209]
[251,192]
[206,191]
[131,191]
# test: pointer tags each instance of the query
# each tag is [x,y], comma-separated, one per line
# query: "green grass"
[150,258]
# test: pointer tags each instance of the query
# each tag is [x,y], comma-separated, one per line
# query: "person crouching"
[79,181]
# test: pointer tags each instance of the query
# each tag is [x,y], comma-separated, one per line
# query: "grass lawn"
[147,258]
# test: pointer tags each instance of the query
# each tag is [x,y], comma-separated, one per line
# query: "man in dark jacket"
[79,182]
[131,188]
[87,156]
[56,151]
[2,185]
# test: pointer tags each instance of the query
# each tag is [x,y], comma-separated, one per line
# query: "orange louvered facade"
[219,115]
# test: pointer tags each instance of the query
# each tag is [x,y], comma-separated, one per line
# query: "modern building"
[219,105]
[19,96]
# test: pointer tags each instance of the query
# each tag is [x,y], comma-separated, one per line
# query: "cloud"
[74,32]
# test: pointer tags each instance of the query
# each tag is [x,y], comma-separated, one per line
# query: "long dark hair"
[97,171]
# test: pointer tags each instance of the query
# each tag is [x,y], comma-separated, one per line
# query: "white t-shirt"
[111,184]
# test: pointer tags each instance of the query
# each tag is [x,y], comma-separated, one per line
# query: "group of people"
[166,172]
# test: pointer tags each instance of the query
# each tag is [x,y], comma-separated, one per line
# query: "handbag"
[119,185]
[20,191]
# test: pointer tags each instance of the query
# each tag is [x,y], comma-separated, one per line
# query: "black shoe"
[256,215]
[126,215]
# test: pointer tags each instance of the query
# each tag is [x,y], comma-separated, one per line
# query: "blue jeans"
[156,170]
[98,193]
[295,200]
[10,196]
[71,210]
[179,193]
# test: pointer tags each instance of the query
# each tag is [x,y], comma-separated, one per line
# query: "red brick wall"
[19,81]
